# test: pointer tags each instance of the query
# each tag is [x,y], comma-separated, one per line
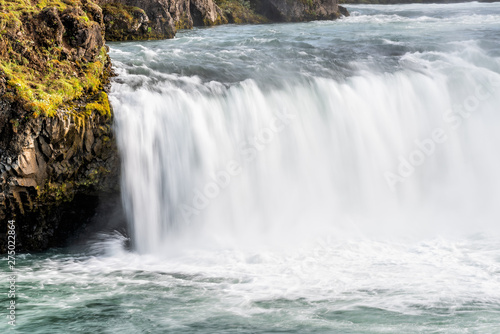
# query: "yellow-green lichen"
[42,78]
[238,11]
[101,105]
[183,23]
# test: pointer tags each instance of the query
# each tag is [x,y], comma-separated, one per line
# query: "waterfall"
[408,151]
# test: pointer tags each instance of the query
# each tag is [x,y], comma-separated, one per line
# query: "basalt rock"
[85,37]
[57,150]
[157,19]
[129,23]
[240,11]
[146,18]
[344,11]
[61,165]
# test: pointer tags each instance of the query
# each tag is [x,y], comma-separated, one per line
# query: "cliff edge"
[57,151]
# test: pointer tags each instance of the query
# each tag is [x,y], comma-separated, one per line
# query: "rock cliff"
[57,151]
[157,19]
[298,10]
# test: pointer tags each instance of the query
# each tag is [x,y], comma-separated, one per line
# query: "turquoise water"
[257,168]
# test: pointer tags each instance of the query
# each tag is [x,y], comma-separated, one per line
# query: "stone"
[26,182]
[84,35]
[27,162]
[297,10]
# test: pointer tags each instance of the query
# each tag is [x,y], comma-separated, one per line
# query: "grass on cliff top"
[43,92]
[41,88]
[19,7]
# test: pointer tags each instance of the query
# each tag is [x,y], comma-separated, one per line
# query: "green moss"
[308,3]
[49,80]
[20,7]
[120,11]
[239,11]
[183,23]
[101,105]
[55,192]
[43,93]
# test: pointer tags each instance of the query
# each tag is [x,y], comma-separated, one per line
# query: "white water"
[314,156]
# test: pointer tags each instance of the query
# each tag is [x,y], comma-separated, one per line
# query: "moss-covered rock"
[240,11]
[125,23]
[50,56]
[56,140]
[137,19]
[157,19]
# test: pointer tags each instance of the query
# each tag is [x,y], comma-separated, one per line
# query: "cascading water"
[312,140]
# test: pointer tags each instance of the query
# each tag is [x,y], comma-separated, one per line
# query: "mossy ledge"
[57,151]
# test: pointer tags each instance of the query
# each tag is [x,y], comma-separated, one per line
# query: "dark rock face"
[85,37]
[240,11]
[49,28]
[156,19]
[127,23]
[344,11]
[54,169]
[297,10]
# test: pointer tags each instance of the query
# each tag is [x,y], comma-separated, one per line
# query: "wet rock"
[344,11]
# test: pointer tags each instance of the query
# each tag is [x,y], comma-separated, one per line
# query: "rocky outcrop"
[59,161]
[240,11]
[298,10]
[156,22]
[157,19]
[343,11]
[130,23]
[57,152]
